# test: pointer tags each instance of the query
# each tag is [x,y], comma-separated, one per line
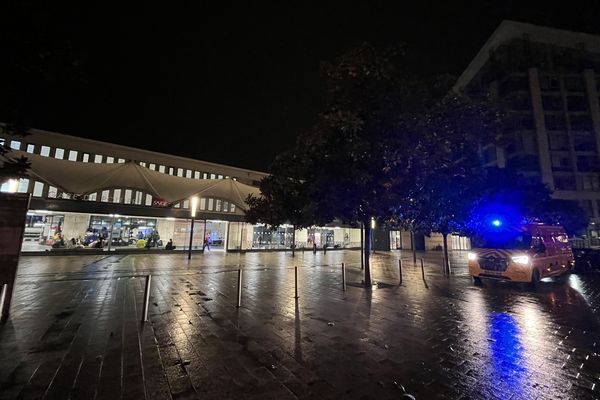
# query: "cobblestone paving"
[75,333]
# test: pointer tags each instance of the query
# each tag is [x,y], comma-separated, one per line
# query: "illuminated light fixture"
[523,259]
[471,256]
[170,219]
[497,222]
[372,222]
[194,205]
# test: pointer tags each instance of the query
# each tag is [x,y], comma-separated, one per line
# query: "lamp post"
[193,206]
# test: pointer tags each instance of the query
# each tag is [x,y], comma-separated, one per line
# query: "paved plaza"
[75,330]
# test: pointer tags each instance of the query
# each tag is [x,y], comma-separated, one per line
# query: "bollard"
[239,288]
[343,277]
[296,281]
[146,298]
[2,298]
[422,270]
[400,269]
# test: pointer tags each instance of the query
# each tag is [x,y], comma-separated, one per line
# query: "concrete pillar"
[592,94]
[540,129]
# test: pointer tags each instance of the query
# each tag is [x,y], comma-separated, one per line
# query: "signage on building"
[13,210]
[158,202]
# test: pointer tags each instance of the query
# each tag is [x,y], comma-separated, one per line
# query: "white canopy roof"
[83,178]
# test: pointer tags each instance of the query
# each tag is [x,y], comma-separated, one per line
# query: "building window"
[213,176]
[121,161]
[555,122]
[30,148]
[560,162]
[59,153]
[204,175]
[152,167]
[188,173]
[143,164]
[589,182]
[98,158]
[52,192]
[171,171]
[220,177]
[104,196]
[23,185]
[196,174]
[15,145]
[86,157]
[92,196]
[110,160]
[558,141]
[210,204]
[186,204]
[564,182]
[38,189]
[180,172]
[138,198]
[218,205]
[72,155]
[148,200]
[117,196]
[202,203]
[127,199]
[161,169]
[232,208]
[45,151]
[587,163]
[225,206]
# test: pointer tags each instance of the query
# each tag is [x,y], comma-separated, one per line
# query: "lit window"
[59,153]
[152,167]
[170,170]
[72,155]
[202,203]
[138,198]
[15,145]
[98,158]
[225,206]
[110,160]
[121,161]
[92,197]
[116,195]
[232,209]
[196,175]
[176,205]
[204,175]
[218,205]
[213,176]
[148,200]
[52,192]
[38,189]
[188,173]
[186,204]
[210,204]
[127,199]
[86,157]
[220,177]
[161,169]
[30,148]
[143,164]
[104,196]
[179,172]
[23,185]
[45,151]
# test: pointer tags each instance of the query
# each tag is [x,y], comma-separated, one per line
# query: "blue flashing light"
[496,222]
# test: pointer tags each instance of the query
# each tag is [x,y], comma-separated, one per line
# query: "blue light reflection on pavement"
[508,360]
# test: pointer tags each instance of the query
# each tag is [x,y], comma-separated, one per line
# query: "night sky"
[233,85]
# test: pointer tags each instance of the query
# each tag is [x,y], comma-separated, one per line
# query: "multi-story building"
[126,215]
[550,78]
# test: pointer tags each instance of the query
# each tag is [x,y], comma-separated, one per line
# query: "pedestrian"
[206,244]
[314,247]
[325,248]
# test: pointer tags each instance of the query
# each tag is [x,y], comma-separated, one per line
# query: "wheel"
[477,281]
[535,279]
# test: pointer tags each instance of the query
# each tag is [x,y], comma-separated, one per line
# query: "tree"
[284,197]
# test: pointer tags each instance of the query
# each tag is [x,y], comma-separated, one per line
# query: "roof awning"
[83,178]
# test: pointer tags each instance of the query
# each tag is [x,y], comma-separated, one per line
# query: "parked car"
[586,259]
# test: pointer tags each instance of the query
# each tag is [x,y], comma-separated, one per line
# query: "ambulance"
[525,253]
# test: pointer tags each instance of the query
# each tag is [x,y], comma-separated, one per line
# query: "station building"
[127,208]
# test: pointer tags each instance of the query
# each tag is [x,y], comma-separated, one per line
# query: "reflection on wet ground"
[74,330]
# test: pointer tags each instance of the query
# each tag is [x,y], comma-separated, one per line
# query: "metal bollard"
[296,281]
[343,277]
[239,288]
[146,298]
[400,269]
[2,298]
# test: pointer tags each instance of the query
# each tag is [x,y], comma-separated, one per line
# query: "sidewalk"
[75,332]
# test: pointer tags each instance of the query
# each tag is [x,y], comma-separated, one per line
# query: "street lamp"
[193,207]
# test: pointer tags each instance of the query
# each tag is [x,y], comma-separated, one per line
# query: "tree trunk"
[414,247]
[362,247]
[293,240]
[446,259]
[367,248]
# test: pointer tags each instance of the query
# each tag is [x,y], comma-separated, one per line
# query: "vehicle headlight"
[472,256]
[521,259]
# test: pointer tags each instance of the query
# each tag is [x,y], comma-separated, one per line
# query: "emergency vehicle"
[525,253]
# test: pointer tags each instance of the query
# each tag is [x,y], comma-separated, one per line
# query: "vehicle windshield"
[502,240]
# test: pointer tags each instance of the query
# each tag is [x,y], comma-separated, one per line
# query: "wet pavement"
[75,333]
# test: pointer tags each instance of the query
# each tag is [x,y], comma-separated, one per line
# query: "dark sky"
[233,85]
